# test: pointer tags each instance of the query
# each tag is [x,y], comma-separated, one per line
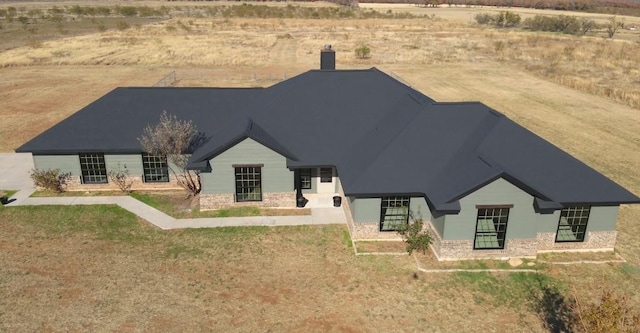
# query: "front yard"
[100,268]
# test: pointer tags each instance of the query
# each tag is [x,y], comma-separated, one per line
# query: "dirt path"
[284,51]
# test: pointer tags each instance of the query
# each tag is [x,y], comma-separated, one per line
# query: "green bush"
[363,51]
[51,179]
[562,23]
[504,19]
[127,11]
[414,235]
[484,18]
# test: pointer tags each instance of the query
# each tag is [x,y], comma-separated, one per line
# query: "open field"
[580,93]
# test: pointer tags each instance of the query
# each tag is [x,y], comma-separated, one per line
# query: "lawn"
[176,204]
[99,268]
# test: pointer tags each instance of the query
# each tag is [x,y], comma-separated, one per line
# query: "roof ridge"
[389,139]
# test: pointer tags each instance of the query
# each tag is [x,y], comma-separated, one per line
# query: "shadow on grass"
[551,305]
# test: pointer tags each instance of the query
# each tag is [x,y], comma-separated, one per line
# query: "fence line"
[167,81]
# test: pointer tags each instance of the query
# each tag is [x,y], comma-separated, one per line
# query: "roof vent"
[327,58]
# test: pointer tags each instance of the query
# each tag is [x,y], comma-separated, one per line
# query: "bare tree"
[613,25]
[175,139]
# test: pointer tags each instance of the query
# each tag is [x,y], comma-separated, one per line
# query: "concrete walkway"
[14,175]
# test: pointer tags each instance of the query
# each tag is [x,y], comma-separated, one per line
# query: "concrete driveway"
[14,173]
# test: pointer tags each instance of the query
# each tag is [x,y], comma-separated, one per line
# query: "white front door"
[326,180]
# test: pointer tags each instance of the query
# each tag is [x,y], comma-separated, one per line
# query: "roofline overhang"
[79,151]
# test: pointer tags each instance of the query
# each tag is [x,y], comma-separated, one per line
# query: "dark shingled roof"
[383,137]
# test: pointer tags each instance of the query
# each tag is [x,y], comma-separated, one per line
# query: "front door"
[326,180]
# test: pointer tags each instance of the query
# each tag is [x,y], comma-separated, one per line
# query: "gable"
[248,151]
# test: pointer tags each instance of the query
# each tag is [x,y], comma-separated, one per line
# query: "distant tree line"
[560,23]
[627,7]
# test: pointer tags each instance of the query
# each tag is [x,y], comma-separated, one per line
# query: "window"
[155,168]
[248,183]
[573,224]
[326,175]
[491,227]
[93,168]
[394,212]
[305,179]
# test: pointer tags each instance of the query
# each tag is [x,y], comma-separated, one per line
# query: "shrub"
[562,23]
[122,25]
[414,235]
[77,10]
[611,314]
[363,51]
[483,18]
[51,179]
[120,176]
[127,10]
[504,19]
[613,25]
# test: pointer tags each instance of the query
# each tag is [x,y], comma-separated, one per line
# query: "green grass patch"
[175,204]
[107,222]
[346,238]
[7,193]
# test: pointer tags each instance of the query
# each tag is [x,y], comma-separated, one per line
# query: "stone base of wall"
[218,201]
[545,242]
[75,184]
[463,249]
[594,241]
[370,231]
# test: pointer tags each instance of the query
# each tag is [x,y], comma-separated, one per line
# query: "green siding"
[275,175]
[602,218]
[66,163]
[547,222]
[366,210]
[133,163]
[314,182]
[438,222]
[522,217]
[419,208]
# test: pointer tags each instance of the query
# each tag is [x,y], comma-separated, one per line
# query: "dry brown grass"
[75,277]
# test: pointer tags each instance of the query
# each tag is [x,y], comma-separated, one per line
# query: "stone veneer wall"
[370,231]
[545,242]
[463,249]
[217,201]
[594,241]
[75,184]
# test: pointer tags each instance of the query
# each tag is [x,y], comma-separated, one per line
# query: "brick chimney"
[327,58]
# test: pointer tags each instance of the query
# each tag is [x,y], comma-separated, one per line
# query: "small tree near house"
[120,176]
[175,139]
[414,235]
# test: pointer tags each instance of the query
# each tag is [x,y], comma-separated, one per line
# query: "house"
[486,186]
